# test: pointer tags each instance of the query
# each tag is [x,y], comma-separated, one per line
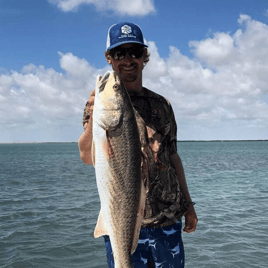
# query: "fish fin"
[107,147]
[100,228]
[140,216]
[93,153]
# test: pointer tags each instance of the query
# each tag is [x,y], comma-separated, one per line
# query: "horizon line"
[218,140]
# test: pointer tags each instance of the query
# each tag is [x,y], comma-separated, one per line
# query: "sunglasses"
[120,53]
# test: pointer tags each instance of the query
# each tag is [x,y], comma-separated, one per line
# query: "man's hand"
[190,220]
[90,106]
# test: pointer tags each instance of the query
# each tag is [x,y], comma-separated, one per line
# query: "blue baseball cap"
[123,33]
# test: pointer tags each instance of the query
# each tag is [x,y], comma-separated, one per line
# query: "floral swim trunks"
[157,247]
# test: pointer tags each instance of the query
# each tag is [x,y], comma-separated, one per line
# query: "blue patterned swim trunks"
[157,248]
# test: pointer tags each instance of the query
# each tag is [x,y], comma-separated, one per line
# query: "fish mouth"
[106,77]
[103,81]
[116,77]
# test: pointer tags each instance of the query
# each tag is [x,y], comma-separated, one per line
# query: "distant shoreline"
[217,140]
[40,142]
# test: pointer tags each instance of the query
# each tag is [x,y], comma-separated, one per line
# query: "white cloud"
[76,67]
[135,8]
[158,66]
[220,94]
[214,50]
[226,82]
[40,99]
[123,7]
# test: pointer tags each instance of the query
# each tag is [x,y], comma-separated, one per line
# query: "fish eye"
[116,87]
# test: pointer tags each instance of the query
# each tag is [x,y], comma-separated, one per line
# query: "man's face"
[128,68]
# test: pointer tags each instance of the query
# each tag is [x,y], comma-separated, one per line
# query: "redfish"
[116,154]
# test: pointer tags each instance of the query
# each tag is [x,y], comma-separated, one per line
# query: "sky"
[209,58]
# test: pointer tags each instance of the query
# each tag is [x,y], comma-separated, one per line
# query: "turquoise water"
[49,206]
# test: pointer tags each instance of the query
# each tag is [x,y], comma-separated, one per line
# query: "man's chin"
[128,78]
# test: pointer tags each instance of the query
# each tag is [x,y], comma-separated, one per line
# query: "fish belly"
[121,191]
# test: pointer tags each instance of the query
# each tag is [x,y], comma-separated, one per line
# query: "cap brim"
[123,43]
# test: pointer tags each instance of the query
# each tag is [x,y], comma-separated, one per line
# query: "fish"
[117,158]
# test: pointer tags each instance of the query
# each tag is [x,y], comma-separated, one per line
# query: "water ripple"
[49,206]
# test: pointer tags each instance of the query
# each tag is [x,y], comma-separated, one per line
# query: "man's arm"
[85,140]
[190,217]
[85,143]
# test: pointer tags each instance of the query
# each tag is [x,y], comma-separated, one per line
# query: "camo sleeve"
[172,144]
[86,115]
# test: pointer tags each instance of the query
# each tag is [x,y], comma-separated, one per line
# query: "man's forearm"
[181,176]
[85,143]
[190,217]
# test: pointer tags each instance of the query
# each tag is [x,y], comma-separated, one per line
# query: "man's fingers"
[190,226]
[188,230]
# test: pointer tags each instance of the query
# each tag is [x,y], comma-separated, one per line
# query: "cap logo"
[126,29]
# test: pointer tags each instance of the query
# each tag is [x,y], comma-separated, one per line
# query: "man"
[167,199]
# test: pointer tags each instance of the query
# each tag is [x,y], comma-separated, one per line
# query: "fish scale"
[116,154]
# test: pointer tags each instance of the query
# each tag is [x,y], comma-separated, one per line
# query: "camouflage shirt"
[165,203]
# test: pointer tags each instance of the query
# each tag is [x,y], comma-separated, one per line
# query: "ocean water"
[49,206]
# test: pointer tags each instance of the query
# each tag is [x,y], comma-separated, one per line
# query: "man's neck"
[134,86]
